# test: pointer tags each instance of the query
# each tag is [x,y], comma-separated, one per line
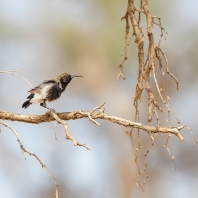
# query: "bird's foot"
[52,110]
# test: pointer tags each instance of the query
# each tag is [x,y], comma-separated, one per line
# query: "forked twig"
[92,111]
[68,135]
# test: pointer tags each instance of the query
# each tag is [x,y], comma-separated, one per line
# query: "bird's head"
[65,78]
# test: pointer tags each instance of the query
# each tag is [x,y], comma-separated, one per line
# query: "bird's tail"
[26,104]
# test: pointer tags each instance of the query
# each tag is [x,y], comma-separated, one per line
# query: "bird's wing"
[35,90]
[38,88]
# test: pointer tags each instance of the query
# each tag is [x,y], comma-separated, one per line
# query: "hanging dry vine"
[147,69]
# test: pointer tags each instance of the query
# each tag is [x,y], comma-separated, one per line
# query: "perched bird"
[48,91]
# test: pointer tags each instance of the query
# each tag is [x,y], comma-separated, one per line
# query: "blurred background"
[46,38]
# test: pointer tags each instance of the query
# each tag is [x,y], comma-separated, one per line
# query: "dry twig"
[24,150]
[12,72]
[68,135]
[127,40]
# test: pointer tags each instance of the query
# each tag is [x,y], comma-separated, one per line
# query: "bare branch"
[138,37]
[55,127]
[68,135]
[167,69]
[24,150]
[91,112]
[11,72]
[36,119]
[169,152]
[127,40]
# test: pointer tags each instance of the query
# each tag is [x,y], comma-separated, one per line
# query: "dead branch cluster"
[146,71]
[154,53]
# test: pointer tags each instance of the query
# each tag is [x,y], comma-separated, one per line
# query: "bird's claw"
[52,110]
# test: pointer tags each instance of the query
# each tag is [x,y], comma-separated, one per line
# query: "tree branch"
[12,72]
[24,150]
[47,117]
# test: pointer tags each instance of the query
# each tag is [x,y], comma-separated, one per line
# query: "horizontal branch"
[36,119]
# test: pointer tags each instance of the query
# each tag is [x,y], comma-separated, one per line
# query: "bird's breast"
[53,93]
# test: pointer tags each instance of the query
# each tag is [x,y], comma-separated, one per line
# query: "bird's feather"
[30,96]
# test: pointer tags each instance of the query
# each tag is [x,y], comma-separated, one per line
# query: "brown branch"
[146,68]
[140,42]
[68,135]
[167,69]
[36,119]
[151,61]
[169,152]
[161,28]
[127,40]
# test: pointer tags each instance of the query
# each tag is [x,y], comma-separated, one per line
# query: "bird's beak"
[76,76]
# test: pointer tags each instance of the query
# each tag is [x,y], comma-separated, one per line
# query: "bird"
[48,91]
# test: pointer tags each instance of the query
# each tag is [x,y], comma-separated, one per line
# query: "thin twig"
[55,128]
[127,40]
[167,148]
[167,69]
[11,72]
[24,150]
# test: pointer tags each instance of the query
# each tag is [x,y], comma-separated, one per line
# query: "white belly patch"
[40,95]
